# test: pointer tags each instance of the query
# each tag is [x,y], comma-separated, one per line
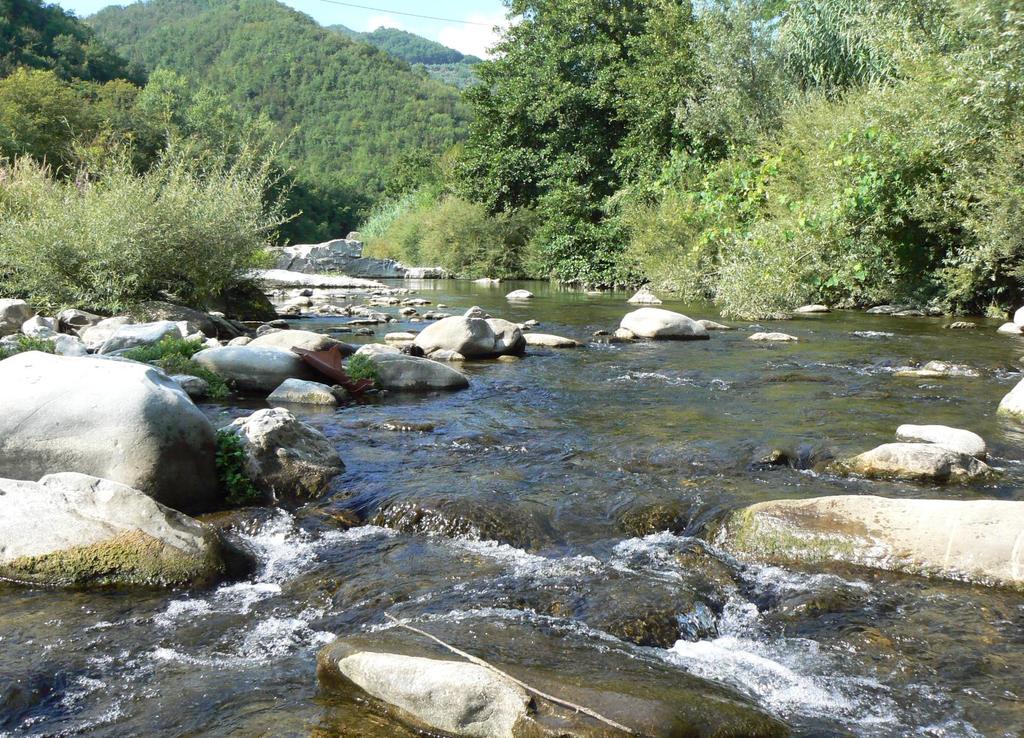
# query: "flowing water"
[567,494]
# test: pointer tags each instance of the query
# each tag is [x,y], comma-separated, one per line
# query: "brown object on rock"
[329,363]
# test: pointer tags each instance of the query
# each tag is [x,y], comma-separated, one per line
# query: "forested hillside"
[441,63]
[345,111]
[762,153]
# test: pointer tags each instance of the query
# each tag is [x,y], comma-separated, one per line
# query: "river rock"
[375,349]
[195,387]
[773,337]
[308,340]
[301,392]
[519,295]
[471,337]
[446,355]
[548,341]
[67,345]
[955,439]
[254,368]
[1018,317]
[39,327]
[117,420]
[1013,402]
[961,325]
[240,341]
[286,458]
[196,320]
[976,540]
[508,337]
[72,320]
[1012,329]
[937,370]
[94,336]
[882,310]
[922,462]
[435,692]
[73,530]
[644,296]
[662,325]
[142,334]
[710,325]
[475,312]
[812,309]
[399,372]
[400,337]
[13,314]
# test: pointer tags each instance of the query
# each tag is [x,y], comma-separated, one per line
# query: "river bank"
[569,494]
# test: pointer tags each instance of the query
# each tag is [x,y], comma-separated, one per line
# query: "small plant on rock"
[25,343]
[231,462]
[174,356]
[361,366]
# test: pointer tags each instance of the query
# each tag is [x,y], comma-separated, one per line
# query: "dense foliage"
[41,36]
[344,110]
[762,153]
[232,470]
[174,356]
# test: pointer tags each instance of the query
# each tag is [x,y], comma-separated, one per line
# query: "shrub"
[169,345]
[174,356]
[108,237]
[24,343]
[231,470]
[361,366]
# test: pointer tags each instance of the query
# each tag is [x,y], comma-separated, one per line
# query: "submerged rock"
[399,372]
[426,688]
[301,392]
[286,458]
[937,370]
[773,337]
[77,530]
[662,325]
[254,368]
[923,462]
[955,439]
[973,540]
[117,420]
[308,340]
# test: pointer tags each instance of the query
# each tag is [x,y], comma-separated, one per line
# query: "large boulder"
[117,420]
[508,337]
[142,334]
[308,340]
[471,337]
[955,439]
[74,529]
[254,368]
[662,325]
[431,690]
[285,458]
[96,334]
[13,314]
[921,462]
[1013,402]
[74,320]
[976,540]
[402,373]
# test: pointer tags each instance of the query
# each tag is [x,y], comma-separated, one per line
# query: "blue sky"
[469,38]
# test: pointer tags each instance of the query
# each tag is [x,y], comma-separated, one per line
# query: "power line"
[410,15]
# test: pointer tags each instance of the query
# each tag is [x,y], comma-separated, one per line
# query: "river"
[567,493]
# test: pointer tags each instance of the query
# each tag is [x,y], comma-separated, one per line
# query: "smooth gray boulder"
[308,340]
[710,325]
[662,325]
[94,336]
[286,458]
[1013,403]
[812,309]
[937,370]
[75,530]
[508,337]
[1018,316]
[195,387]
[39,327]
[1013,329]
[644,296]
[13,314]
[922,462]
[117,420]
[973,540]
[546,340]
[955,439]
[398,372]
[446,355]
[519,295]
[72,320]
[142,334]
[471,337]
[400,337]
[375,349]
[301,392]
[254,368]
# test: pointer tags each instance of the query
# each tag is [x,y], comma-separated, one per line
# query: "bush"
[24,343]
[107,238]
[174,356]
[361,366]
[231,470]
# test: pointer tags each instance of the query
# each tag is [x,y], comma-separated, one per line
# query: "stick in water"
[480,662]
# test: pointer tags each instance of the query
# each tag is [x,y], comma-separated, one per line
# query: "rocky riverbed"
[571,515]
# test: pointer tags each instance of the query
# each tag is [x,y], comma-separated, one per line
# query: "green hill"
[46,37]
[441,62]
[347,111]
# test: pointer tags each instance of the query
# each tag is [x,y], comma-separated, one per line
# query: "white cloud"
[474,39]
[383,21]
